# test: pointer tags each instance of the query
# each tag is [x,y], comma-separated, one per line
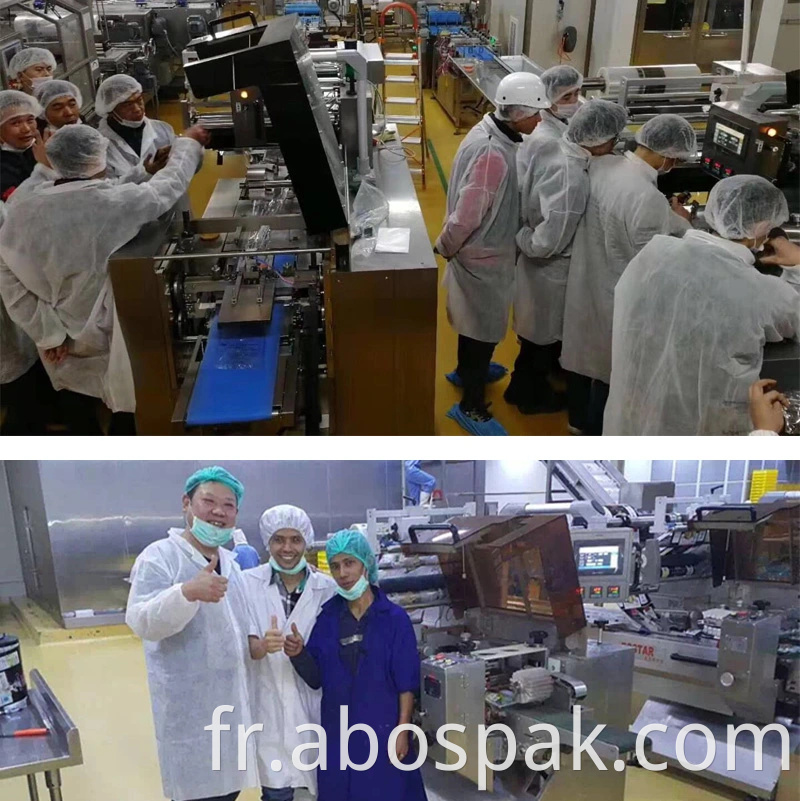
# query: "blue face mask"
[209,535]
[356,591]
[300,566]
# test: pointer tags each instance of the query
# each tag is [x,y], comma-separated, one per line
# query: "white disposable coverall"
[282,701]
[478,234]
[54,278]
[549,127]
[17,350]
[625,211]
[691,317]
[555,190]
[45,175]
[122,158]
[196,655]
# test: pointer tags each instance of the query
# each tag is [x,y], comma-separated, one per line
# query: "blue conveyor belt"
[236,380]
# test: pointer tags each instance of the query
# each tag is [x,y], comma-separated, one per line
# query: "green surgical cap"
[355,544]
[218,474]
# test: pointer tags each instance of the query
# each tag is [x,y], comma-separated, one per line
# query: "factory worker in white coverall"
[134,140]
[563,85]
[554,183]
[54,277]
[188,604]
[478,240]
[691,317]
[625,211]
[286,596]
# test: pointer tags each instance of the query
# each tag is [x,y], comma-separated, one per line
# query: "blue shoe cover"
[496,373]
[488,428]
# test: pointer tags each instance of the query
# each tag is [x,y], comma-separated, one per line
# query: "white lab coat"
[282,701]
[196,655]
[54,278]
[555,190]
[478,234]
[691,317]
[625,211]
[122,158]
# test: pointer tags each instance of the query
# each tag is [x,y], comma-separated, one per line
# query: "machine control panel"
[606,564]
[739,141]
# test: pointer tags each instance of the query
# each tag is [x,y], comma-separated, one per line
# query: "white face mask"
[662,169]
[568,111]
[36,82]
[10,149]
[53,129]
[130,123]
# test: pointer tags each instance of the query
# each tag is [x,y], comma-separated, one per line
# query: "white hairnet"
[30,57]
[17,104]
[55,89]
[745,207]
[561,80]
[77,151]
[115,90]
[285,516]
[670,136]
[515,113]
[597,122]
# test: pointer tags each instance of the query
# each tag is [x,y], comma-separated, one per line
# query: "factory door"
[691,31]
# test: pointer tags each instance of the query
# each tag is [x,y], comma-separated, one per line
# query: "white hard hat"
[522,89]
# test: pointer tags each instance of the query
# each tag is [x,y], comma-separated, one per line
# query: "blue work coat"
[389,665]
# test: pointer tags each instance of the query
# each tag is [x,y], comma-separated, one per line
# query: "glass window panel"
[662,471]
[736,471]
[713,471]
[669,15]
[686,472]
[725,14]
[735,491]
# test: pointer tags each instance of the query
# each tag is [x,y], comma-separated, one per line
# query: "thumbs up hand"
[294,643]
[206,586]
[274,639]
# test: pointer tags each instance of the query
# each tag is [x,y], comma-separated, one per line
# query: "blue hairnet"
[355,544]
[218,474]
[246,557]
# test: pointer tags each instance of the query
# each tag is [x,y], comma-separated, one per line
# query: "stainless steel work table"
[48,754]
[393,178]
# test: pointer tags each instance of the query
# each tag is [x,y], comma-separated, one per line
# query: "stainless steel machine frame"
[469,686]
[71,41]
[386,299]
[48,755]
